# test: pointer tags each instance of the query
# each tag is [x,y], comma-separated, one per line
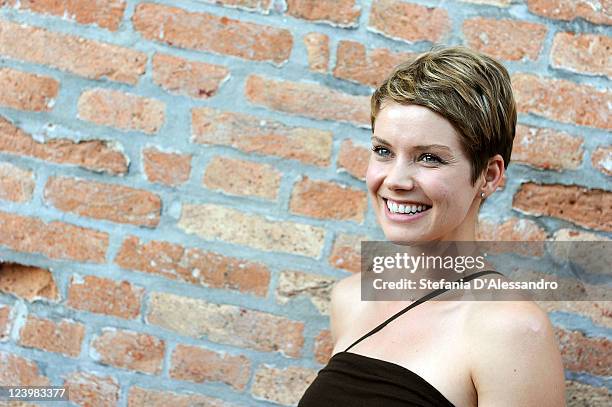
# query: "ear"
[492,175]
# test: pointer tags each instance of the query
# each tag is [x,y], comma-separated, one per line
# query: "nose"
[400,177]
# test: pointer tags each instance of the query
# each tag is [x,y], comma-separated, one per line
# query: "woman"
[443,127]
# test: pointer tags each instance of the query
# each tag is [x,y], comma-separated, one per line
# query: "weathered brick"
[346,252]
[112,202]
[5,322]
[513,229]
[165,167]
[124,111]
[208,32]
[200,365]
[262,6]
[251,134]
[546,148]
[139,397]
[562,100]
[353,159]
[499,3]
[106,14]
[103,296]
[580,395]
[227,324]
[88,390]
[18,371]
[283,386]
[568,10]
[323,346]
[56,240]
[307,99]
[234,176]
[507,39]
[600,312]
[409,22]
[582,53]
[211,221]
[340,13]
[64,337]
[194,266]
[129,350]
[184,77]
[77,55]
[317,288]
[581,353]
[591,208]
[30,283]
[16,183]
[355,63]
[27,91]
[601,159]
[328,200]
[95,155]
[317,48]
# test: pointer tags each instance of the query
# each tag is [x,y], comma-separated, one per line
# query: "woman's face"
[417,160]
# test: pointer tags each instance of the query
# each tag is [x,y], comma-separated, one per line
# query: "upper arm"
[516,360]
[340,306]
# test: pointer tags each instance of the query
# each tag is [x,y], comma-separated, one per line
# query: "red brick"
[77,55]
[562,100]
[208,32]
[227,324]
[30,283]
[580,395]
[317,288]
[582,53]
[194,266]
[346,252]
[339,13]
[16,183]
[106,14]
[241,177]
[18,371]
[568,10]
[112,202]
[251,134]
[262,6]
[63,337]
[282,386]
[591,208]
[601,159]
[507,39]
[317,48]
[56,240]
[581,353]
[310,100]
[547,149]
[27,91]
[200,365]
[139,397]
[327,200]
[184,77]
[103,296]
[124,111]
[499,3]
[353,159]
[410,22]
[323,346]
[513,229]
[166,168]
[129,350]
[95,155]
[89,390]
[5,322]
[211,221]
[356,64]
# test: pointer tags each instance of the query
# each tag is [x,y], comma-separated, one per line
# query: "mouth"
[406,211]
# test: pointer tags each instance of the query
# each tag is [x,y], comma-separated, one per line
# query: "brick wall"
[181,184]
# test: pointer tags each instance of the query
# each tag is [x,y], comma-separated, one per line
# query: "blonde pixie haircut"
[471,90]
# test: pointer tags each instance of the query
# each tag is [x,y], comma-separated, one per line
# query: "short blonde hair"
[471,90]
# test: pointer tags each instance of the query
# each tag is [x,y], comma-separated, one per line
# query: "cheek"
[374,176]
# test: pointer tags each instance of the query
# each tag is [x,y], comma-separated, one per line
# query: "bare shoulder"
[514,356]
[344,294]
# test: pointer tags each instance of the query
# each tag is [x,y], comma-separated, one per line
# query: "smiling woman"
[443,127]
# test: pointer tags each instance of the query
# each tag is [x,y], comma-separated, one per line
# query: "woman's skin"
[476,353]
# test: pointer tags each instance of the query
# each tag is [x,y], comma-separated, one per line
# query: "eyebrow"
[419,147]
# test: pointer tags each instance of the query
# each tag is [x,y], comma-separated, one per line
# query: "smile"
[405,212]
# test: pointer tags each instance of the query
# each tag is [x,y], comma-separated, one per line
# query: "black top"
[353,380]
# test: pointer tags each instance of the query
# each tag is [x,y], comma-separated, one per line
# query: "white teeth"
[395,208]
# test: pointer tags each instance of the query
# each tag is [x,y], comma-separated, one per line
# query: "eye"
[377,150]
[432,158]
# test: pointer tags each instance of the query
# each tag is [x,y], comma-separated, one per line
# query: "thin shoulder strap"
[420,301]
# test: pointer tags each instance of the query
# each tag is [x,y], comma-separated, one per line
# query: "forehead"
[413,124]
